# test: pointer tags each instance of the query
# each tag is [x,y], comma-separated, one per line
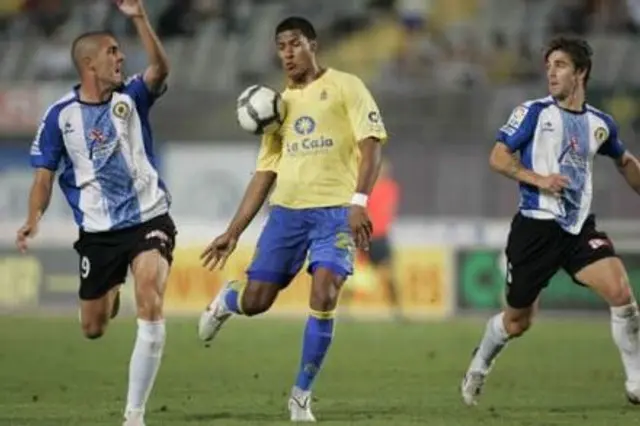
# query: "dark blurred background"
[446,74]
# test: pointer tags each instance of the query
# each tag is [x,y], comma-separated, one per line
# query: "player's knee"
[149,295]
[325,292]
[258,298]
[618,292]
[94,329]
[149,300]
[323,301]
[516,327]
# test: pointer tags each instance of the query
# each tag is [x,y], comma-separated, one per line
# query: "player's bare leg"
[609,279]
[318,333]
[150,271]
[501,328]
[236,297]
[95,314]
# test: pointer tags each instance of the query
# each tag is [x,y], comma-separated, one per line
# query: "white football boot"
[215,314]
[134,418]
[472,383]
[632,390]
[471,386]
[300,406]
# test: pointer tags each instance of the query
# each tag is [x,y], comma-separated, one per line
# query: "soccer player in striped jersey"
[557,139]
[323,162]
[100,136]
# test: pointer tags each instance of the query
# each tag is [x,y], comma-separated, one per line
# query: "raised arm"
[158,69]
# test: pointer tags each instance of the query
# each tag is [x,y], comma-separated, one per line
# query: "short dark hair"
[84,37]
[297,23]
[578,50]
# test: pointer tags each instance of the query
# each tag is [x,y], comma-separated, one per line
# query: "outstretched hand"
[217,253]
[130,8]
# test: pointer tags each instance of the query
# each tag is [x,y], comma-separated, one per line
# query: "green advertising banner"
[481,283]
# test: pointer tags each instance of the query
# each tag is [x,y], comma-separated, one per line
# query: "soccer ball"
[260,110]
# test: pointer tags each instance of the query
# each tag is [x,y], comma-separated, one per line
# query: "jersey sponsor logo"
[97,136]
[571,155]
[304,125]
[121,110]
[601,134]
[308,146]
[102,145]
[375,122]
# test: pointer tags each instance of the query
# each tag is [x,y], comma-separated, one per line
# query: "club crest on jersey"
[121,110]
[323,95]
[304,125]
[601,134]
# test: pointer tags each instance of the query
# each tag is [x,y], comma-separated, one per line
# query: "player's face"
[562,76]
[296,53]
[108,63]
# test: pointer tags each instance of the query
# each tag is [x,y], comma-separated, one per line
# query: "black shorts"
[379,250]
[105,256]
[537,249]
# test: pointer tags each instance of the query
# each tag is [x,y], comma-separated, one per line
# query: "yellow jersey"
[315,153]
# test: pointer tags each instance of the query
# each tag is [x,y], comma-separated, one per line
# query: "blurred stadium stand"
[445,72]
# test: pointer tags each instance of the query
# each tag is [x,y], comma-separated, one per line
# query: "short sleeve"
[270,153]
[363,112]
[48,145]
[612,145]
[138,90]
[520,127]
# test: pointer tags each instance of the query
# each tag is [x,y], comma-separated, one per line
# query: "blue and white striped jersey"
[550,140]
[109,175]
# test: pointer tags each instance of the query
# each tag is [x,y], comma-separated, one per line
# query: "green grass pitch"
[565,373]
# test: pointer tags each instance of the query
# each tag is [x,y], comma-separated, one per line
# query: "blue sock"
[233,297]
[317,339]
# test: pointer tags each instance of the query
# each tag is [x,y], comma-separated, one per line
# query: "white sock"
[145,362]
[495,338]
[625,326]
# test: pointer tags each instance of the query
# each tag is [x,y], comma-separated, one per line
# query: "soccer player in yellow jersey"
[324,161]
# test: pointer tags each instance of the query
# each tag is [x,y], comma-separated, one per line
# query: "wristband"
[360,199]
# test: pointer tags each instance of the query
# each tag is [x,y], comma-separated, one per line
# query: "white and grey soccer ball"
[260,110]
